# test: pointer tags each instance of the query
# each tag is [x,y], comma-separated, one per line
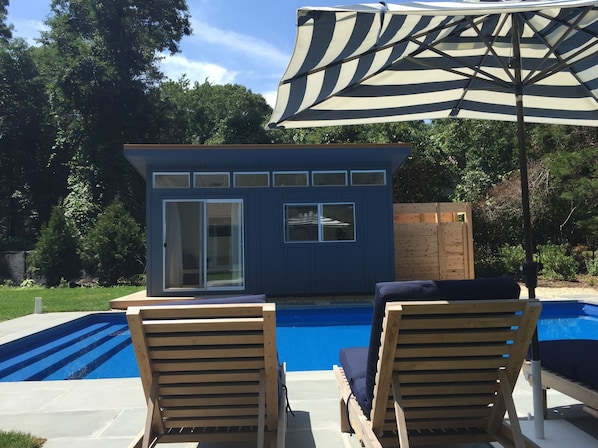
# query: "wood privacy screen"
[433,241]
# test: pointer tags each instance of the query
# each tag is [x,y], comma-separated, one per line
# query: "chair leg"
[138,441]
[151,410]
[399,413]
[507,393]
[261,421]
[344,414]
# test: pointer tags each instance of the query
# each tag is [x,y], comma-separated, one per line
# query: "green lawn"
[14,439]
[15,302]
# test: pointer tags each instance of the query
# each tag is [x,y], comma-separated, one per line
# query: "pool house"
[275,219]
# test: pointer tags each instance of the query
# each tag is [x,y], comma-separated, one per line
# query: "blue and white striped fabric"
[424,60]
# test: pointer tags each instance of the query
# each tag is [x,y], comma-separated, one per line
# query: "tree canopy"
[5,30]
[93,83]
[101,57]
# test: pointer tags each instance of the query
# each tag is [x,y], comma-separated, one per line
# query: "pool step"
[70,355]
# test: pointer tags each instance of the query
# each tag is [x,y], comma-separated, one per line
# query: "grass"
[16,302]
[15,439]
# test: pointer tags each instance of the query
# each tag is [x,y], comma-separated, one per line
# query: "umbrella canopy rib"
[412,62]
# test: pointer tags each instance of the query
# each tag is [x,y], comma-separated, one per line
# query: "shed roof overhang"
[238,157]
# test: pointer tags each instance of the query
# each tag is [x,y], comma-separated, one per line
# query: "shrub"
[511,258]
[56,252]
[486,263]
[115,246]
[27,283]
[592,266]
[557,264]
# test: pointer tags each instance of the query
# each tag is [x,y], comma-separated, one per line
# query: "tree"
[574,178]
[211,114]
[115,247]
[103,59]
[56,254]
[482,152]
[27,176]
[563,199]
[5,30]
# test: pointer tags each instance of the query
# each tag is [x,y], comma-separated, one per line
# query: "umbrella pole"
[530,267]
[530,271]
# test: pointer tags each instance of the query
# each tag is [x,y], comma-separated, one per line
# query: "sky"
[247,42]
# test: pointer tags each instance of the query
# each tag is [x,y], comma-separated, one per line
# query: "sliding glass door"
[203,244]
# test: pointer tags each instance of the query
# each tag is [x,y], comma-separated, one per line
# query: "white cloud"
[175,66]
[228,57]
[237,43]
[270,98]
[27,29]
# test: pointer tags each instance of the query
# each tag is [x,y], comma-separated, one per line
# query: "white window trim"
[329,172]
[170,173]
[305,173]
[266,173]
[319,206]
[221,173]
[368,171]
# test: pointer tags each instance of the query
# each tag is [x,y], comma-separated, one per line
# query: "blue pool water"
[568,320]
[98,346]
[92,347]
[309,340]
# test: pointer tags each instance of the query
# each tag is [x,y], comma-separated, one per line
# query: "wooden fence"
[433,241]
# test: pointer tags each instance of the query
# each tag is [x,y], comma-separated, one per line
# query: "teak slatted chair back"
[209,372]
[446,372]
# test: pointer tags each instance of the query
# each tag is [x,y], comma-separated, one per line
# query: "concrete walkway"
[109,413]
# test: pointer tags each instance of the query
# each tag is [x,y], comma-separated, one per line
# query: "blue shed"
[275,219]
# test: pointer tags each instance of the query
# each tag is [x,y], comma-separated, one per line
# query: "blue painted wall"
[272,266]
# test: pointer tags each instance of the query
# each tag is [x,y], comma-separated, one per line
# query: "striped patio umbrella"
[524,61]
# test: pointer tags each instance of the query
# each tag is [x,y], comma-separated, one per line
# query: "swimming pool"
[568,320]
[308,338]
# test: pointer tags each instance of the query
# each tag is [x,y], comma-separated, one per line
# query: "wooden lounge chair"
[570,367]
[210,373]
[444,374]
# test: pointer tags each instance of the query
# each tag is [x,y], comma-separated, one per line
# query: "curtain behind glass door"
[183,246]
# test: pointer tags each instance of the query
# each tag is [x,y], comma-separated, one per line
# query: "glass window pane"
[338,222]
[301,222]
[171,180]
[368,177]
[211,180]
[224,244]
[252,180]
[290,179]
[329,178]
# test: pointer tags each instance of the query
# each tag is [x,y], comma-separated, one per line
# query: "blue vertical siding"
[272,266]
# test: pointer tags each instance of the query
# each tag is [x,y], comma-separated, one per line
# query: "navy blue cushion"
[576,359]
[354,361]
[258,298]
[483,288]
